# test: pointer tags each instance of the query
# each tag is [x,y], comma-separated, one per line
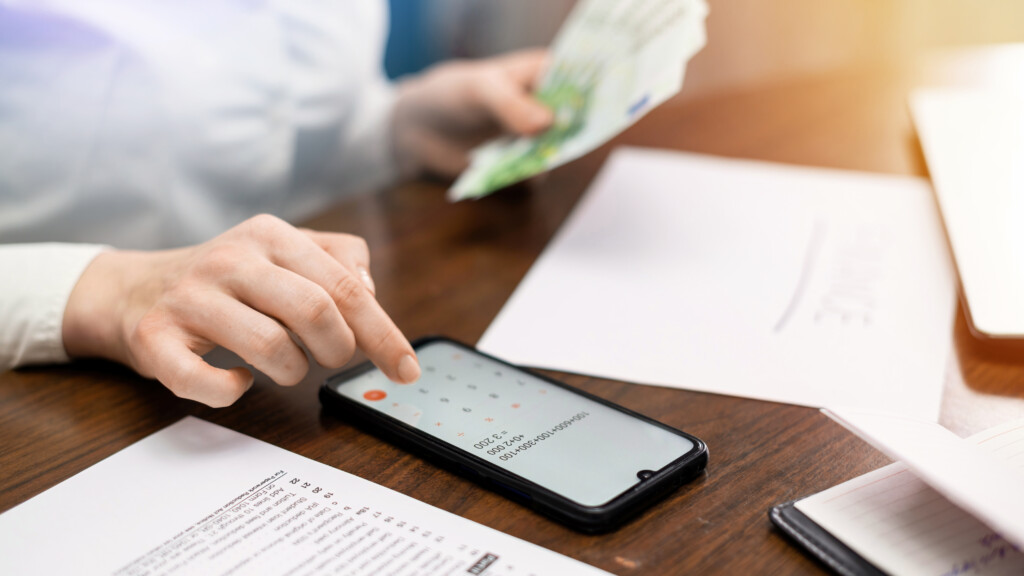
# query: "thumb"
[513,106]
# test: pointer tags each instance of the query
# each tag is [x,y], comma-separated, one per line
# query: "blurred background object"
[426,31]
[750,42]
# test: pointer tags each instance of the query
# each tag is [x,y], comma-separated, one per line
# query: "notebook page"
[973,479]
[901,525]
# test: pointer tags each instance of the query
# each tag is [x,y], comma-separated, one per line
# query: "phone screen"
[584,450]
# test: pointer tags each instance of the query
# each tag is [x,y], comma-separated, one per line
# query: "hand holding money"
[611,63]
[443,113]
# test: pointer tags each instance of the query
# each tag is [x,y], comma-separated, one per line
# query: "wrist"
[92,324]
[402,128]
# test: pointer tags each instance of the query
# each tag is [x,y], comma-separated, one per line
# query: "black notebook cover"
[819,543]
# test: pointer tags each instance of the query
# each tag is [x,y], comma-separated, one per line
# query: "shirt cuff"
[39,281]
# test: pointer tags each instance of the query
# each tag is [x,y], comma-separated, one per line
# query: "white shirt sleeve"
[37,280]
[157,123]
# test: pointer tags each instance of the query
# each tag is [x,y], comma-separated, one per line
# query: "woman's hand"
[159,312]
[445,112]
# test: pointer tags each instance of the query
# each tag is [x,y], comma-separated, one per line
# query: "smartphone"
[584,461]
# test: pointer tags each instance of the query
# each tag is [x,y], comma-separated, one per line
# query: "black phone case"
[819,543]
[583,518]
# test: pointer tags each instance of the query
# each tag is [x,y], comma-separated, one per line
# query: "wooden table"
[443,268]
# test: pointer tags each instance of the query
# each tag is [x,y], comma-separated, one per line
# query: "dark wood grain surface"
[444,268]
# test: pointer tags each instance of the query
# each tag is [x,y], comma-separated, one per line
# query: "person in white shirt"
[182,126]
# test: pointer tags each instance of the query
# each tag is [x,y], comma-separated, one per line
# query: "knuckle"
[265,225]
[345,346]
[317,309]
[218,260]
[228,395]
[346,351]
[268,343]
[291,368]
[144,332]
[188,305]
[347,342]
[295,373]
[142,342]
[336,350]
[282,359]
[388,339]
[347,290]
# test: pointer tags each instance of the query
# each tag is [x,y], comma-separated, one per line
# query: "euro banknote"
[611,62]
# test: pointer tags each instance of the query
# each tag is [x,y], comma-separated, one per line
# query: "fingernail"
[364,275]
[408,369]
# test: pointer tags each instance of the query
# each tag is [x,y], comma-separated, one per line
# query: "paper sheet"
[800,285]
[902,524]
[974,143]
[196,498]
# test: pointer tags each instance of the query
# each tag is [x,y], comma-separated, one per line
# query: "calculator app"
[569,444]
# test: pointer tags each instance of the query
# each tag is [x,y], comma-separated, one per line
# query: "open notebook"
[902,519]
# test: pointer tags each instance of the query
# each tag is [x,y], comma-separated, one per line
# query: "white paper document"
[196,498]
[801,285]
[974,142]
[950,507]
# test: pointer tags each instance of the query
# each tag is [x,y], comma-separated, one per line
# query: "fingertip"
[295,375]
[528,118]
[408,369]
[515,108]
[243,379]
[238,382]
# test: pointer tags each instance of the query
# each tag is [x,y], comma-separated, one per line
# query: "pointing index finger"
[375,333]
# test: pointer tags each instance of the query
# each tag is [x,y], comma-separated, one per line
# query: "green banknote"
[611,63]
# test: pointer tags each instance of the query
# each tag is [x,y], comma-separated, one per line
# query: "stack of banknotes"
[611,63]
